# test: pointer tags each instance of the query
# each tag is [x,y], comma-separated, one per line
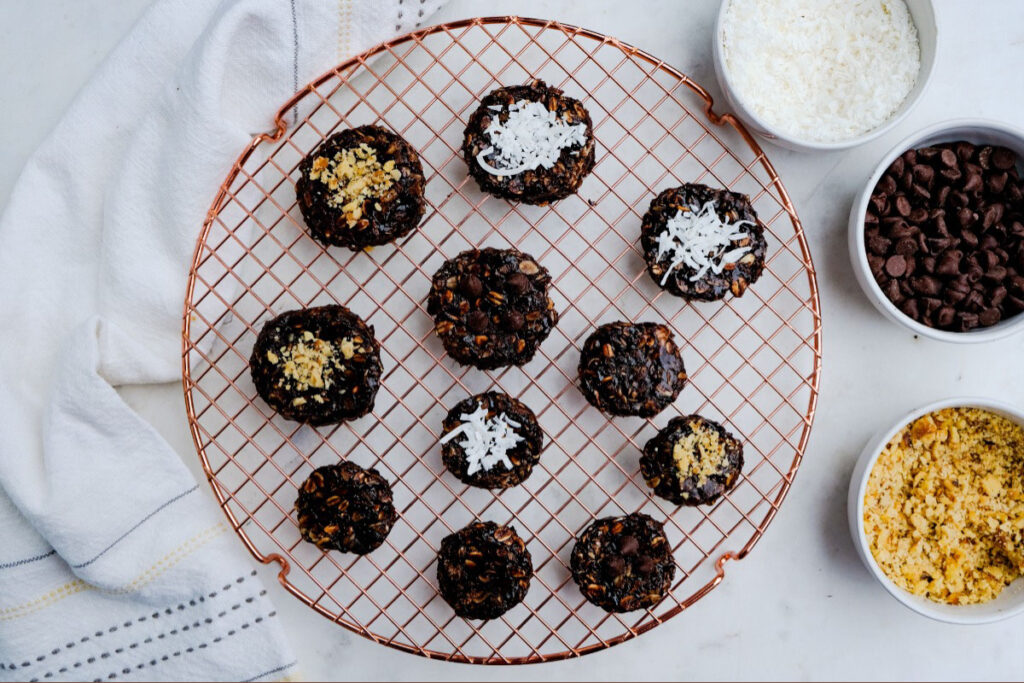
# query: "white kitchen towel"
[113,562]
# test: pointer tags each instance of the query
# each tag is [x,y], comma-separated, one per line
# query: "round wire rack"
[753,361]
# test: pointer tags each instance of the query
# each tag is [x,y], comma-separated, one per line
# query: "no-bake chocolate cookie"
[701,244]
[345,507]
[491,440]
[317,365]
[692,461]
[623,564]
[491,307]
[484,570]
[361,187]
[529,143]
[631,369]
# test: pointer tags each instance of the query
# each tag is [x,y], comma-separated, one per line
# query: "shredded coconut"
[486,441]
[699,239]
[822,70]
[532,136]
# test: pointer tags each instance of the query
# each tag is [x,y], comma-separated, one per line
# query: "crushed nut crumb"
[310,363]
[698,454]
[353,176]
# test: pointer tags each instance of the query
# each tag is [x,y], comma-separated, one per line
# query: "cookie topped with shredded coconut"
[491,440]
[529,143]
[701,243]
[821,70]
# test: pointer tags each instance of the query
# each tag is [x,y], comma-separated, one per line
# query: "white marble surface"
[801,605]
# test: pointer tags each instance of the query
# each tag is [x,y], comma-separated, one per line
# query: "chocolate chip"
[918,216]
[949,262]
[983,157]
[514,320]
[945,315]
[517,283]
[892,291]
[927,285]
[924,174]
[896,265]
[478,321]
[629,545]
[948,157]
[966,321]
[645,564]
[902,206]
[989,316]
[1003,158]
[906,246]
[997,182]
[615,565]
[951,174]
[910,309]
[470,285]
[993,214]
[879,245]
[974,181]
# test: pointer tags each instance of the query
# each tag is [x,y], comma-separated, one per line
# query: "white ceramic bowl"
[923,14]
[1010,601]
[978,131]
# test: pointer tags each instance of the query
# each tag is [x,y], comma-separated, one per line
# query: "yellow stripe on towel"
[78,585]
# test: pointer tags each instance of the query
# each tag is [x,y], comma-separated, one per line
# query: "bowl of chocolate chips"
[937,236]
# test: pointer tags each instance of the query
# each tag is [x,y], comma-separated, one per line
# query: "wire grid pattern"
[753,361]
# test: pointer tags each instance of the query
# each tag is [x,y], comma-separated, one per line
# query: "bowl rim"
[773,133]
[855,509]
[858,250]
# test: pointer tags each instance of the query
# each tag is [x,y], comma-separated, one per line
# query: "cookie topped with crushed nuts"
[345,507]
[631,369]
[491,307]
[361,187]
[529,143]
[484,570]
[623,564]
[491,440]
[701,243]
[317,365]
[692,461]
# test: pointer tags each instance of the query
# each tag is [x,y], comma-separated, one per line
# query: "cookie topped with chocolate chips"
[491,440]
[491,307]
[529,143]
[483,570]
[701,243]
[317,365]
[361,187]
[631,369]
[692,461]
[345,507]
[624,563]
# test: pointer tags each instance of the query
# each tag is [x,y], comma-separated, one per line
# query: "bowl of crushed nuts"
[936,510]
[937,236]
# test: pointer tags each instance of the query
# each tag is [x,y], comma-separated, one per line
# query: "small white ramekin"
[923,14]
[978,131]
[1010,601]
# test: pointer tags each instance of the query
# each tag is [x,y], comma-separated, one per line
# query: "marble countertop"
[801,605]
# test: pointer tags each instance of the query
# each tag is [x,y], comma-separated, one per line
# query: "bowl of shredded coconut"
[818,75]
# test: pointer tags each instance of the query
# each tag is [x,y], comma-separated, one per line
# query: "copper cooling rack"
[753,361]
